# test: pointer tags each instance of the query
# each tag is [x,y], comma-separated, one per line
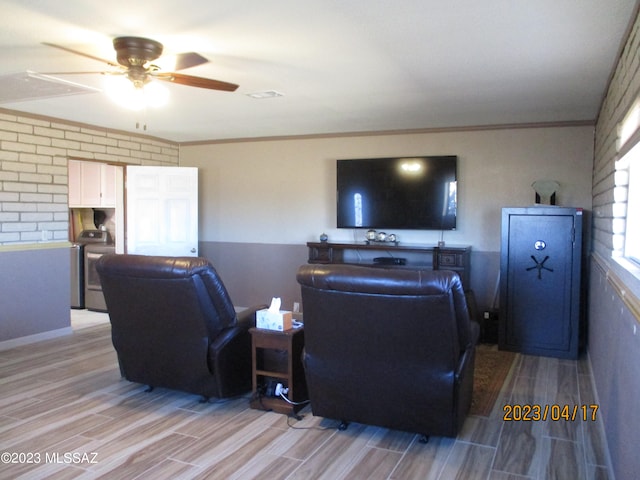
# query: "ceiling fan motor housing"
[136,51]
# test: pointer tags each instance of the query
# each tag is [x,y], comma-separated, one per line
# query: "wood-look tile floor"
[66,413]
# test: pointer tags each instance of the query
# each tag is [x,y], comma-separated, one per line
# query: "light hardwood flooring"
[66,396]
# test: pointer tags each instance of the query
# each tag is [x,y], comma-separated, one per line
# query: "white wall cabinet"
[92,184]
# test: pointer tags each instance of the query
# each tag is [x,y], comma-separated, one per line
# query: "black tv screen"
[411,193]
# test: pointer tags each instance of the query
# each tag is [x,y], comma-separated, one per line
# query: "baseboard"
[38,337]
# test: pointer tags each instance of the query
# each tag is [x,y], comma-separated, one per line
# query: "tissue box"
[273,321]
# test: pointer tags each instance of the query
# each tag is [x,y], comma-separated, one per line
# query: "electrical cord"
[260,395]
[291,402]
[295,427]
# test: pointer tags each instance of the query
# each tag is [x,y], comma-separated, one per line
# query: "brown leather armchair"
[174,326]
[388,347]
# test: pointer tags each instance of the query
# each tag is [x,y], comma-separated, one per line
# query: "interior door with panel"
[162,210]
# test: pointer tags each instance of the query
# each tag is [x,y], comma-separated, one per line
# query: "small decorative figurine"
[324,237]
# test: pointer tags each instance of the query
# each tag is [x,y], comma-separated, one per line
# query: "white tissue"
[275,305]
[273,318]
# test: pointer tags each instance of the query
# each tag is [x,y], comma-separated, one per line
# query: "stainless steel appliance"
[100,238]
[94,299]
[77,275]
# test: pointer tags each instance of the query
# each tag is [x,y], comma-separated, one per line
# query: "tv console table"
[431,257]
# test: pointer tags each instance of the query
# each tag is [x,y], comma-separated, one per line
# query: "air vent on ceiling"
[265,94]
[25,86]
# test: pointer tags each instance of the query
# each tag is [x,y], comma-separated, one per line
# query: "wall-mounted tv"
[411,193]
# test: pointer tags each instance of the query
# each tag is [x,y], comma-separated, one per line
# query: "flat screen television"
[405,193]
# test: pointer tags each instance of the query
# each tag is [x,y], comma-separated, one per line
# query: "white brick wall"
[624,87]
[33,170]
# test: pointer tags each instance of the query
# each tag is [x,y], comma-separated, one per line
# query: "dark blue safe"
[540,280]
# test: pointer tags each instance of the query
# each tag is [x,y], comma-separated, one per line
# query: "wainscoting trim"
[17,247]
[37,337]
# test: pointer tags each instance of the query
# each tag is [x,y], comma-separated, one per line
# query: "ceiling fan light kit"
[133,97]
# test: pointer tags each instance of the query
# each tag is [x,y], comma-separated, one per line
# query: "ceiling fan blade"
[199,82]
[188,60]
[70,50]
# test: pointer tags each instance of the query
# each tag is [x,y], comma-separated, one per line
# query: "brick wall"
[33,170]
[613,344]
[623,90]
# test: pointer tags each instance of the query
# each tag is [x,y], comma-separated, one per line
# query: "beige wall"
[261,201]
[283,191]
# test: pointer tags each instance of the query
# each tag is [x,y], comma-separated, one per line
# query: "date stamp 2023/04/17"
[554,412]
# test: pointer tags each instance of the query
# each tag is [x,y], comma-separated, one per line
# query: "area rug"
[491,370]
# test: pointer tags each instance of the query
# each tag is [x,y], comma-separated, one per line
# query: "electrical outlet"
[296,307]
[281,390]
[486,315]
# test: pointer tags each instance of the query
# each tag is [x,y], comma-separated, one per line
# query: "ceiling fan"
[134,56]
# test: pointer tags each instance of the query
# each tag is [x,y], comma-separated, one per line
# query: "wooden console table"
[456,258]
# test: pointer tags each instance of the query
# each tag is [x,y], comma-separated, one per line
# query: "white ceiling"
[342,65]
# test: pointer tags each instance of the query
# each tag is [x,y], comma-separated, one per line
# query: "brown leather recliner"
[174,326]
[388,347]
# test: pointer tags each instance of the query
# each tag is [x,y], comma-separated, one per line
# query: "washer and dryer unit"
[86,289]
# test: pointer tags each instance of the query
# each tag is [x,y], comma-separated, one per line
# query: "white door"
[162,210]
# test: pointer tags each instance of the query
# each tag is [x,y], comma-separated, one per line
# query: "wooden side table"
[277,359]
